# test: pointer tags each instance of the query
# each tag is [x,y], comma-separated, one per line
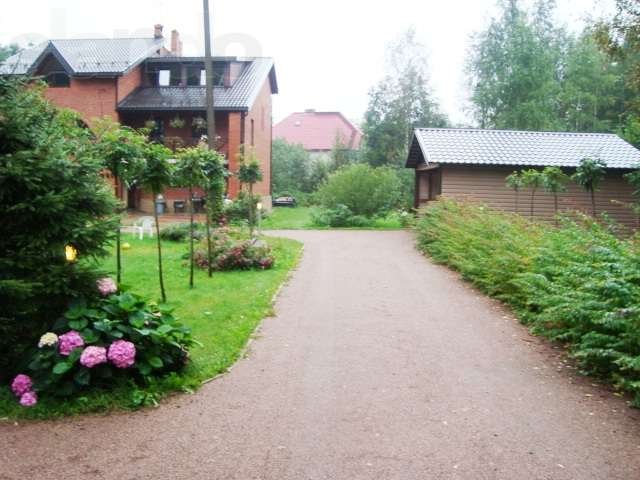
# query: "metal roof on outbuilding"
[518,148]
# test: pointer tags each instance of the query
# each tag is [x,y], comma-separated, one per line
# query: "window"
[195,76]
[58,79]
[164,78]
[252,134]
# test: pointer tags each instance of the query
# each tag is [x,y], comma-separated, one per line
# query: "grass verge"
[300,218]
[222,311]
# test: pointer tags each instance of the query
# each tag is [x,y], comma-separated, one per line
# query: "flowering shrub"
[21,384]
[49,339]
[122,353]
[106,286]
[92,356]
[22,388]
[230,253]
[101,341]
[68,342]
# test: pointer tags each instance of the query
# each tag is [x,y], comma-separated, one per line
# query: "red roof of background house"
[318,130]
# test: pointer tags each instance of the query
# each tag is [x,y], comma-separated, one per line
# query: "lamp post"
[259,207]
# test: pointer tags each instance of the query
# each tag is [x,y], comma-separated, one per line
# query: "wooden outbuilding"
[473,164]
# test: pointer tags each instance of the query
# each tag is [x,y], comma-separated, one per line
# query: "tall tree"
[290,168]
[592,95]
[401,102]
[7,50]
[155,177]
[513,69]
[619,37]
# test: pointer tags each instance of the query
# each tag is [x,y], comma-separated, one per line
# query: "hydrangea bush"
[98,342]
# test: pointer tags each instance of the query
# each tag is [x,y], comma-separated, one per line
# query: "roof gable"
[318,131]
[102,56]
[518,148]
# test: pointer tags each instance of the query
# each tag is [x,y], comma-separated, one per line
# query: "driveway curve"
[378,365]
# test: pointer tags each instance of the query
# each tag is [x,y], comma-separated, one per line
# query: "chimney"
[157,31]
[176,43]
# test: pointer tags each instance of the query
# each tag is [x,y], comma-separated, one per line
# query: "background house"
[318,132]
[473,164]
[139,82]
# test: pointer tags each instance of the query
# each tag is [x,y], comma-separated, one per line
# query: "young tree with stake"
[190,173]
[249,174]
[532,178]
[554,181]
[515,182]
[588,175]
[155,177]
[121,150]
[214,172]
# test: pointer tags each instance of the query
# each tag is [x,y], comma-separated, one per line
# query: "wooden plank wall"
[487,184]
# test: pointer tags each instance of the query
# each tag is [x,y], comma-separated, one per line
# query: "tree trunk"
[209,252]
[118,249]
[190,237]
[593,202]
[251,208]
[163,295]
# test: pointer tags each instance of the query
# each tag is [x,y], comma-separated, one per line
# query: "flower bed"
[98,342]
[232,252]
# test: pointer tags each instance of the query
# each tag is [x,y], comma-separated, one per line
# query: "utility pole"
[208,66]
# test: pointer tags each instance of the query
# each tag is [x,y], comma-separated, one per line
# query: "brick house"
[473,164]
[318,132]
[140,82]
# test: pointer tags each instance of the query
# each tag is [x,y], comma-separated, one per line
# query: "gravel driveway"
[379,365]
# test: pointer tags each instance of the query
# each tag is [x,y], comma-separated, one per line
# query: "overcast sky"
[328,54]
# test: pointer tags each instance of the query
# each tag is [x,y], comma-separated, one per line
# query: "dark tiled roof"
[508,147]
[240,96]
[89,56]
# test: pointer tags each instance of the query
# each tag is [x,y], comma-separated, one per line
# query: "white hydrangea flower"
[49,339]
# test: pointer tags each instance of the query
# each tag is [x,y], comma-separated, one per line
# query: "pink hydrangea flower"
[122,353]
[106,286]
[21,385]
[92,356]
[28,399]
[69,342]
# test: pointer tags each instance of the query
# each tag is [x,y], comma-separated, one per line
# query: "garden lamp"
[70,253]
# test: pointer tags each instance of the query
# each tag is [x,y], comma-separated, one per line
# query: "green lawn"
[287,218]
[299,218]
[223,311]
